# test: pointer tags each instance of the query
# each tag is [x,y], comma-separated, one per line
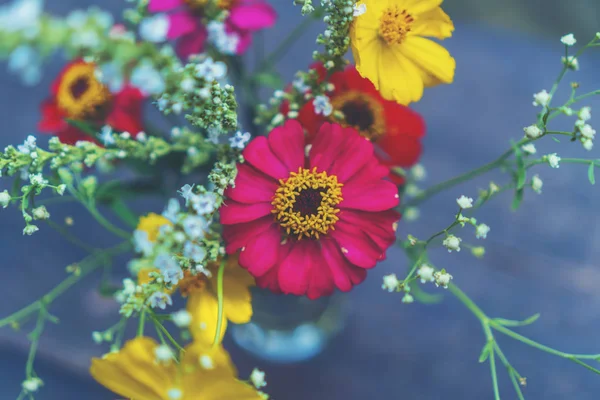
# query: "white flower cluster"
[225,42]
[588,134]
[322,105]
[428,274]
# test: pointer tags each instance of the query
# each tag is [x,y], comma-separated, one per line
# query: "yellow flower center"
[395,25]
[305,204]
[80,95]
[361,112]
[222,4]
[191,283]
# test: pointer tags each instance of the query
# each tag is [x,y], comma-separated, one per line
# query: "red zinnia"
[396,130]
[310,218]
[78,95]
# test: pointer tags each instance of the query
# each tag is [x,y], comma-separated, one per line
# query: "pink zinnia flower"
[310,219]
[245,17]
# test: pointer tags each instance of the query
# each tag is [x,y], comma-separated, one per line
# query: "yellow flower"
[203,301]
[151,224]
[390,49]
[204,373]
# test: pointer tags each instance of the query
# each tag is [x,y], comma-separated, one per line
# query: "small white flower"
[160,300]
[30,230]
[541,99]
[359,9]
[188,84]
[442,278]
[536,184]
[206,362]
[97,337]
[175,394]
[204,203]
[28,146]
[425,272]
[587,131]
[571,62]
[125,135]
[585,113]
[418,172]
[172,210]
[452,243]
[300,85]
[464,202]
[186,192]
[141,137]
[163,353]
[529,148]
[169,268]
[195,227]
[37,180]
[194,252]
[155,28]
[148,79]
[4,198]
[141,243]
[587,144]
[568,40]
[408,298]
[553,160]
[532,131]
[106,135]
[322,105]
[60,189]
[257,377]
[390,282]
[481,231]
[411,214]
[240,140]
[31,385]
[40,213]
[181,318]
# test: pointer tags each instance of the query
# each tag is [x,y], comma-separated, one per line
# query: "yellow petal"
[431,57]
[434,23]
[399,78]
[219,357]
[228,389]
[204,308]
[416,7]
[374,10]
[133,372]
[236,294]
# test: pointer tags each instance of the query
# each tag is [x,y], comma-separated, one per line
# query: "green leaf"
[525,322]
[591,176]
[269,79]
[485,352]
[517,200]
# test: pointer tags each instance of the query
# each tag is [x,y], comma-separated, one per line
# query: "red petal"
[192,43]
[287,143]
[357,151]
[321,281]
[233,212]
[356,246]
[369,196]
[380,224]
[251,186]
[72,135]
[344,274]
[52,118]
[326,146]
[182,23]
[261,252]
[253,17]
[238,235]
[310,120]
[164,5]
[259,155]
[295,269]
[126,113]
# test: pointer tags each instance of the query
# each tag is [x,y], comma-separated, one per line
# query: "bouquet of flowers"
[299,195]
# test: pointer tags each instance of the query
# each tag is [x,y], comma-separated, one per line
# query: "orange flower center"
[394,25]
[191,283]
[305,204]
[199,4]
[361,112]
[80,95]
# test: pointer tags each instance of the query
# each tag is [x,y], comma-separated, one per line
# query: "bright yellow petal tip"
[390,48]
[151,224]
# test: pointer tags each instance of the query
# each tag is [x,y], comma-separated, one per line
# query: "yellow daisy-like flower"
[151,224]
[391,50]
[203,302]
[204,372]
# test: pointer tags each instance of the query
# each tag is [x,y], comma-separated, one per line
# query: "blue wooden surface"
[541,259]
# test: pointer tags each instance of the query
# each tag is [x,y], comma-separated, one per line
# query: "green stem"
[35,340]
[468,303]
[70,237]
[87,265]
[164,330]
[105,223]
[141,323]
[220,301]
[494,375]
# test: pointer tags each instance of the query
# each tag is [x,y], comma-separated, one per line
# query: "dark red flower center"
[358,114]
[79,87]
[308,201]
[361,111]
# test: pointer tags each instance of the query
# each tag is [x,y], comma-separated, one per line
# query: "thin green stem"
[585,365]
[164,330]
[141,323]
[494,375]
[70,237]
[35,341]
[105,223]
[466,300]
[220,299]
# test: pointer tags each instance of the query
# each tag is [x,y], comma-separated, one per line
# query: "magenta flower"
[185,23]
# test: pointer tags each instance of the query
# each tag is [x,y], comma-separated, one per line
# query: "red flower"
[310,219]
[395,129]
[78,95]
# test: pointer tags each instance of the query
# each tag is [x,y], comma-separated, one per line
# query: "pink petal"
[164,5]
[294,270]
[238,235]
[321,281]
[326,146]
[371,171]
[356,246]
[261,252]
[259,155]
[252,186]
[287,143]
[253,17]
[374,223]
[270,280]
[192,43]
[357,151]
[370,196]
[344,274]
[233,212]
[182,23]
[244,42]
